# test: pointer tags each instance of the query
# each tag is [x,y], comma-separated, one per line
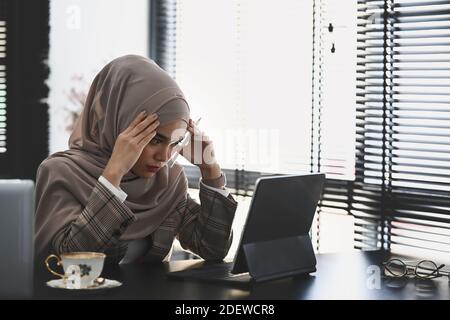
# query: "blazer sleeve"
[205,228]
[98,227]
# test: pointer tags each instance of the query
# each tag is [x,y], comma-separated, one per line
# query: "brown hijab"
[65,180]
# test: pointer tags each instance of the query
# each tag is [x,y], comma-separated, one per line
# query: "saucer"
[61,284]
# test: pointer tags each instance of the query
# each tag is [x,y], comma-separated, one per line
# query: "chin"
[148,174]
[145,174]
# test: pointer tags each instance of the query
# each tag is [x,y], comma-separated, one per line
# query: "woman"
[113,191]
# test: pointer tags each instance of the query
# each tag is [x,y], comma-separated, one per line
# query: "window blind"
[163,34]
[3,70]
[403,138]
[24,34]
[369,191]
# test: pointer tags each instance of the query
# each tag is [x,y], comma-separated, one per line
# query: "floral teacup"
[90,265]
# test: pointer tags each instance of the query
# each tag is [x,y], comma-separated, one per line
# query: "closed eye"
[155,141]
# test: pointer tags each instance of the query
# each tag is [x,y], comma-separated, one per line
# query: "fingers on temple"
[143,125]
[148,133]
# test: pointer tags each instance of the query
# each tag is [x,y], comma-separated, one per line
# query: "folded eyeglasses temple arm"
[184,143]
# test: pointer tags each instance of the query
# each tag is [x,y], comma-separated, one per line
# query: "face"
[160,148]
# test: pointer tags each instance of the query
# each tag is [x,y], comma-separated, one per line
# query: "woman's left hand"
[200,152]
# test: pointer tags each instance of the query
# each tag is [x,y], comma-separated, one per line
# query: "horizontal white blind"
[420,141]
[369,202]
[163,34]
[3,76]
[404,108]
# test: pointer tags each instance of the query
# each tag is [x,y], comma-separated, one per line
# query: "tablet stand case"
[280,258]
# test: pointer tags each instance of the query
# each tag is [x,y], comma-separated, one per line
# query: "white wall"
[84,36]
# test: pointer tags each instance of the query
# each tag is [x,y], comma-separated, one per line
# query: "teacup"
[90,265]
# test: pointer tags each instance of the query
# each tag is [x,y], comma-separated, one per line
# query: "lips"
[152,168]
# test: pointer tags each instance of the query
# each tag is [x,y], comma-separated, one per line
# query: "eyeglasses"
[424,269]
[180,146]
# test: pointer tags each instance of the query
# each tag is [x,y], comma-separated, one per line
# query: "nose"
[163,154]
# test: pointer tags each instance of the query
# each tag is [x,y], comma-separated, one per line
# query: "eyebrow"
[165,139]
[162,137]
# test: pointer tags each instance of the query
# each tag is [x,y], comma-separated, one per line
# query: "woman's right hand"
[129,145]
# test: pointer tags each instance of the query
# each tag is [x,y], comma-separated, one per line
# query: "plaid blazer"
[204,229]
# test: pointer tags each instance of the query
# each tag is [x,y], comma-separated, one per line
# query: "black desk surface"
[338,276]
